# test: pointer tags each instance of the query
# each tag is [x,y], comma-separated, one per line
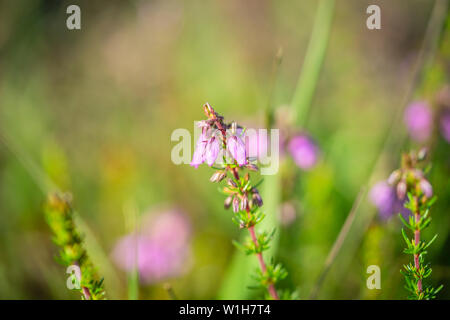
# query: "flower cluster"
[242,195]
[411,185]
[159,251]
[212,140]
[59,216]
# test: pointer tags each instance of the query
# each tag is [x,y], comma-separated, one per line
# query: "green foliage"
[419,205]
[59,217]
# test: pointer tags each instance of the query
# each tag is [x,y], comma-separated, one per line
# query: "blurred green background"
[93,110]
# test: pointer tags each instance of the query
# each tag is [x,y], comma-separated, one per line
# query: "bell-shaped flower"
[236,147]
[200,150]
[212,150]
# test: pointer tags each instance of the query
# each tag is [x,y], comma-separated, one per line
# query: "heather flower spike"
[59,217]
[411,182]
[242,196]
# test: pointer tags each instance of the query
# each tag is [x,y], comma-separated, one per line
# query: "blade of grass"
[315,54]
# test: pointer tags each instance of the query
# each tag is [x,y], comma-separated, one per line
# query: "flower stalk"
[242,196]
[417,193]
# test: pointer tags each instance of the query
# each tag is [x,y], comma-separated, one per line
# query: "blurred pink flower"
[445,124]
[304,151]
[161,250]
[419,120]
[287,214]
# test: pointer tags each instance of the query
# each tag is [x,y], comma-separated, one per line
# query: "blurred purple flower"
[384,197]
[159,251]
[237,149]
[419,120]
[445,124]
[304,151]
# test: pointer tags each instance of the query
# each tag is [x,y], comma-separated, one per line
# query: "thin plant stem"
[315,54]
[251,229]
[416,241]
[271,288]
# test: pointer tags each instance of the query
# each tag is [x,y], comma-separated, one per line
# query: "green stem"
[315,54]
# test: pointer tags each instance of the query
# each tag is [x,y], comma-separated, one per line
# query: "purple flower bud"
[235,204]
[217,176]
[227,202]
[304,151]
[445,124]
[208,109]
[231,183]
[244,202]
[212,151]
[426,188]
[394,177]
[419,120]
[401,189]
[257,197]
[237,149]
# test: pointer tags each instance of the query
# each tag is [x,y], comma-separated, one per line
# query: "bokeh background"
[93,110]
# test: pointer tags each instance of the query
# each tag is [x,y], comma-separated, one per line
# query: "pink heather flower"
[212,150]
[159,251]
[419,120]
[200,150]
[256,142]
[426,188]
[383,196]
[304,151]
[445,124]
[237,149]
